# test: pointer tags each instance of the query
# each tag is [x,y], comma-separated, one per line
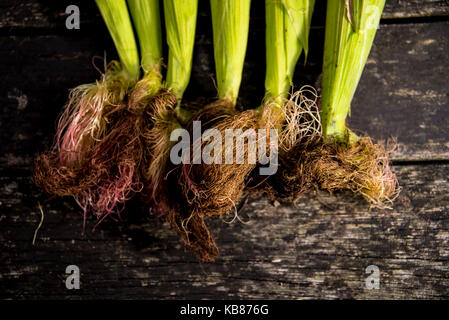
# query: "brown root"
[214,189]
[100,168]
[108,175]
[214,112]
[161,122]
[162,184]
[68,169]
[301,118]
[362,168]
[195,234]
[308,160]
[54,178]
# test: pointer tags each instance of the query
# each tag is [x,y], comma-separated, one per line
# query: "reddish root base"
[106,170]
[107,176]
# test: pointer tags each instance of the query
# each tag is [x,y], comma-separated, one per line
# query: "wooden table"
[317,247]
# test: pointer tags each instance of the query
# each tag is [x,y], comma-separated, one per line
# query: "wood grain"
[317,248]
[44,15]
[404,91]
[415,8]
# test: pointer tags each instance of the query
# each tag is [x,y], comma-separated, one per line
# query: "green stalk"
[230,24]
[287,34]
[350,31]
[180,24]
[147,21]
[115,15]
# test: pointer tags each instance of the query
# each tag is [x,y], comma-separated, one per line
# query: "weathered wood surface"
[318,248]
[415,8]
[47,14]
[404,92]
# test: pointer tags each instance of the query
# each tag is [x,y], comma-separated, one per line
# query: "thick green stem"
[287,32]
[115,15]
[180,23]
[350,32]
[147,21]
[230,24]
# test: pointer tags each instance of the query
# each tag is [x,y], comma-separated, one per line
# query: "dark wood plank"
[50,15]
[317,248]
[404,90]
[44,14]
[415,8]
[37,73]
